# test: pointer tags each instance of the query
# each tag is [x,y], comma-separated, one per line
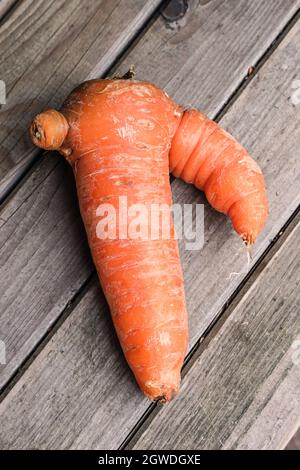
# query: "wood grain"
[203,62]
[5,6]
[30,316]
[200,64]
[86,379]
[47,48]
[43,247]
[294,443]
[243,392]
[263,118]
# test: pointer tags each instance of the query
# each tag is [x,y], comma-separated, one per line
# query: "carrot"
[121,138]
[203,154]
[116,134]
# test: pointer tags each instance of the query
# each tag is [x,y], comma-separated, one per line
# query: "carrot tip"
[163,395]
[248,239]
[163,399]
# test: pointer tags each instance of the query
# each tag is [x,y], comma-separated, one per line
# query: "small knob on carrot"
[49,129]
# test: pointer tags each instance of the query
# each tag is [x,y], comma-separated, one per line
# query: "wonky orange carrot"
[121,137]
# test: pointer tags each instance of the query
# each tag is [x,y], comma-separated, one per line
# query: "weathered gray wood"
[27,311]
[204,62]
[86,379]
[47,48]
[5,6]
[265,119]
[294,443]
[29,316]
[243,392]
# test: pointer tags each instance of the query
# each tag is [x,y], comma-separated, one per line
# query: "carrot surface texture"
[122,138]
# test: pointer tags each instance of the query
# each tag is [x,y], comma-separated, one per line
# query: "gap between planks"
[215,327]
[286,385]
[44,340]
[10,181]
[214,13]
[257,66]
[212,331]
[6,8]
[287,27]
[24,154]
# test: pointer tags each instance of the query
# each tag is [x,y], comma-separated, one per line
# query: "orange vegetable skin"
[203,154]
[118,144]
[121,138]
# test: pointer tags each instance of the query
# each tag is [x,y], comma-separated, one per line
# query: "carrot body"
[121,139]
[118,143]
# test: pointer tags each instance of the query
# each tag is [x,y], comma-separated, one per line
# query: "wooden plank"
[178,61]
[274,422]
[5,6]
[92,369]
[243,392]
[31,316]
[47,48]
[97,369]
[26,317]
[274,125]
[294,443]
[265,120]
[203,62]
